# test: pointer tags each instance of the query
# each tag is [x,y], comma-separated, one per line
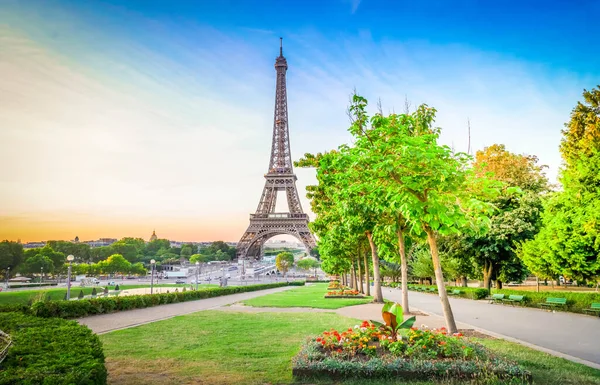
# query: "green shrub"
[15,307]
[50,352]
[576,301]
[465,292]
[103,305]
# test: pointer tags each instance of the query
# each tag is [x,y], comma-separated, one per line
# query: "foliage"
[86,307]
[307,263]
[284,262]
[569,241]
[365,352]
[466,292]
[393,315]
[51,351]
[33,265]
[11,255]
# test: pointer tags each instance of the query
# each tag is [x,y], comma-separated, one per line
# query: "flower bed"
[344,294]
[368,351]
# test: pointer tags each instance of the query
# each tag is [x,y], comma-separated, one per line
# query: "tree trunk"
[498,284]
[366,261]
[487,275]
[537,283]
[377,295]
[439,277]
[404,271]
[360,275]
[464,282]
[353,276]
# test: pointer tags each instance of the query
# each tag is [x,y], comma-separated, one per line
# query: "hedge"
[576,302]
[103,305]
[31,285]
[465,292]
[50,352]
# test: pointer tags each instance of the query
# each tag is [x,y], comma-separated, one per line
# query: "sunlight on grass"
[306,296]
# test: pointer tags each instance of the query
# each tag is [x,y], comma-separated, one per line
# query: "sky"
[120,117]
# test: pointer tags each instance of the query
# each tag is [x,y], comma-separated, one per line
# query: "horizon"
[122,116]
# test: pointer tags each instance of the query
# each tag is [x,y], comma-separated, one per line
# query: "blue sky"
[123,116]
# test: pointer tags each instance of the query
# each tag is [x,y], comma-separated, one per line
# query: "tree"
[81,251]
[569,242]
[427,184]
[186,251]
[11,255]
[138,269]
[308,263]
[517,215]
[284,261]
[116,263]
[34,265]
[154,246]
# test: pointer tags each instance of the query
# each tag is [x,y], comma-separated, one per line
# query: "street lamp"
[197,273]
[70,258]
[7,276]
[42,276]
[152,263]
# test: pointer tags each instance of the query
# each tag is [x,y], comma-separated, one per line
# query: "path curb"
[524,343]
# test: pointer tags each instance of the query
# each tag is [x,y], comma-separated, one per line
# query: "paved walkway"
[572,334]
[105,323]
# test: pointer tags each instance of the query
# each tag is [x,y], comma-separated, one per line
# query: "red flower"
[319,339]
[339,350]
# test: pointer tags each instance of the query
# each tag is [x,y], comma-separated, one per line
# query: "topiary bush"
[50,352]
[104,305]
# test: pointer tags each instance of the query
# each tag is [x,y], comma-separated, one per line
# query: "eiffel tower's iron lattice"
[266,223]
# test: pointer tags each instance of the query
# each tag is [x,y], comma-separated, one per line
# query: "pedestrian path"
[105,323]
[575,335]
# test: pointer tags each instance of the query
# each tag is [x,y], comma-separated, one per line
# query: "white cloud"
[179,125]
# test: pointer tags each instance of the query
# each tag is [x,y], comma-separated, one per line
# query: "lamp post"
[70,258]
[152,263]
[42,276]
[197,273]
[7,276]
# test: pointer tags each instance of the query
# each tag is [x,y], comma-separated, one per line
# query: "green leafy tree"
[81,251]
[308,263]
[186,251]
[138,269]
[569,243]
[154,246]
[284,261]
[11,255]
[116,263]
[33,265]
[517,216]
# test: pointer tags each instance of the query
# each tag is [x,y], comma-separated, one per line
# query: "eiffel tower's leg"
[293,199]
[268,199]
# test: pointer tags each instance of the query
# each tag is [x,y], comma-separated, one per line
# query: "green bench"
[455,292]
[595,308]
[512,299]
[495,298]
[432,290]
[552,303]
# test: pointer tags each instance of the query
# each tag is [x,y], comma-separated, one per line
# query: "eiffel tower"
[267,223]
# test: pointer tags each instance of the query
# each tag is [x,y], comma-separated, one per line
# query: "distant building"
[33,245]
[76,240]
[101,242]
[153,237]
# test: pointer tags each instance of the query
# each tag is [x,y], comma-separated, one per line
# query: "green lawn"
[25,296]
[305,296]
[219,347]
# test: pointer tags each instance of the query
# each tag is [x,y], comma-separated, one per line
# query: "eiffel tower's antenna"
[266,223]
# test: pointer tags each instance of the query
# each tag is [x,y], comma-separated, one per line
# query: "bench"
[512,299]
[554,302]
[595,308]
[495,298]
[455,292]
[432,290]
